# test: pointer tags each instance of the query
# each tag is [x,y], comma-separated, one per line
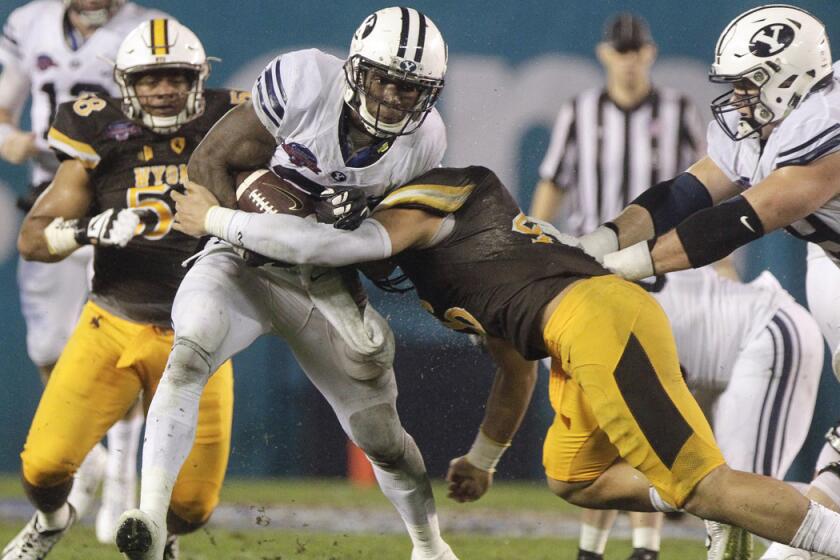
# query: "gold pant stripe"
[107,362]
[614,373]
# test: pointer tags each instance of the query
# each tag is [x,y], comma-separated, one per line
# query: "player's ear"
[603,51]
[650,53]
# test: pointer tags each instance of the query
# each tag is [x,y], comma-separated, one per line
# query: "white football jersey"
[34,39]
[713,318]
[810,132]
[299,98]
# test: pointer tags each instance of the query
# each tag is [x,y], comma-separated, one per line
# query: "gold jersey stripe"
[160,37]
[79,150]
[439,197]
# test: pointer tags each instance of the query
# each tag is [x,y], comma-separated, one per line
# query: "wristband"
[217,220]
[485,453]
[600,242]
[62,236]
[633,262]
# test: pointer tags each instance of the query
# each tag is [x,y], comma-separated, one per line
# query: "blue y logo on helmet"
[408,65]
[771,39]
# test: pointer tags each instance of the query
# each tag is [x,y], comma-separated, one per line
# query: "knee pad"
[188,363]
[201,317]
[377,431]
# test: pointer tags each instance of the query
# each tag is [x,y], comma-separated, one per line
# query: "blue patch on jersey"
[301,156]
[44,62]
[122,130]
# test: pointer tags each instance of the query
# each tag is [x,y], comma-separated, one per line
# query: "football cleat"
[139,537]
[588,555]
[34,544]
[171,551]
[644,554]
[447,554]
[725,542]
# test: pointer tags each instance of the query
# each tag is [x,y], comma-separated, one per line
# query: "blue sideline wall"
[511,66]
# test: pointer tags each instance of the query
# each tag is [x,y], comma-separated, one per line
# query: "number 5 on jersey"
[152,198]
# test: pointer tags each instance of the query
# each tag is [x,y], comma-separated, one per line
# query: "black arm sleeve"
[672,201]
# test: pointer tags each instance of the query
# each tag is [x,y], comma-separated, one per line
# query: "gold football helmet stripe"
[79,150]
[160,37]
[438,197]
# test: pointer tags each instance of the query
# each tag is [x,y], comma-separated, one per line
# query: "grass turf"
[217,544]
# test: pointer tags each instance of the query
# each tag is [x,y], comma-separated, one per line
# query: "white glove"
[598,243]
[633,262]
[109,229]
[18,146]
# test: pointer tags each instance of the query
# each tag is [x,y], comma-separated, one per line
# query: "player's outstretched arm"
[297,240]
[786,195]
[237,142]
[661,208]
[57,225]
[471,475]
[16,146]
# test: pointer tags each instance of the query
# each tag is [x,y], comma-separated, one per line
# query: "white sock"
[54,521]
[593,539]
[819,532]
[646,537]
[87,479]
[170,428]
[121,471]
[407,486]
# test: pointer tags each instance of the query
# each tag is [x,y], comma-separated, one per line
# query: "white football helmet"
[407,46]
[161,44]
[96,17]
[781,50]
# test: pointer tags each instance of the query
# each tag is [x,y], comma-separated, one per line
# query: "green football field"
[252,535]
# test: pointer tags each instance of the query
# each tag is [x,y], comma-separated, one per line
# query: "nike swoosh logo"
[314,277]
[746,223]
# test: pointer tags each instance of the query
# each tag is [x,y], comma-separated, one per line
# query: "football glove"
[344,207]
[110,228]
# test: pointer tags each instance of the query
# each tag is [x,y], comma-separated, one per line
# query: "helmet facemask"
[133,107]
[760,114]
[358,71]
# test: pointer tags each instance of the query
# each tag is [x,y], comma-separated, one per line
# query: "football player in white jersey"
[344,131]
[53,51]
[752,357]
[772,162]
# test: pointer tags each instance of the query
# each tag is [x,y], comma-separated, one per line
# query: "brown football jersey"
[131,166]
[497,269]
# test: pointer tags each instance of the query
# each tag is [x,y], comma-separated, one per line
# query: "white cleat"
[33,544]
[447,554]
[87,478]
[118,495]
[139,537]
[726,542]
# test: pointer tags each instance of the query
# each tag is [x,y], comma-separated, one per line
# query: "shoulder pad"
[77,125]
[442,190]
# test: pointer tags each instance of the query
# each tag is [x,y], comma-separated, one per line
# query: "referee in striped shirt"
[612,143]
[608,146]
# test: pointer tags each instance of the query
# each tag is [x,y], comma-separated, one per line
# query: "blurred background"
[512,64]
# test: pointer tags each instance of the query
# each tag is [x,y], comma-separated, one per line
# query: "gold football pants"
[617,390]
[106,363]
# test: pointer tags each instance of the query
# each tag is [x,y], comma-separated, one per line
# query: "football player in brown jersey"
[627,433]
[120,160]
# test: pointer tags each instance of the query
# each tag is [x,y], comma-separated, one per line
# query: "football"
[264,192]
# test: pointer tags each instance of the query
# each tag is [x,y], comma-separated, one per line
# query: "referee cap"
[627,32]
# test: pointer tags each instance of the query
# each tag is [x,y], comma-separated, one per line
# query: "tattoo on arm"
[238,142]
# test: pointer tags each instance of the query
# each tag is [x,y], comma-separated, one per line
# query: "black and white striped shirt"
[605,156]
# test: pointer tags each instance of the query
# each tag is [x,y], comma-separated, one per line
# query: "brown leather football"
[264,192]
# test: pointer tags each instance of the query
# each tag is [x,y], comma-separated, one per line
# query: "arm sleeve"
[270,97]
[555,165]
[299,241]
